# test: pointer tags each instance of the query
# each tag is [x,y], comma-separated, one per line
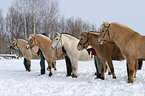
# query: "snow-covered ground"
[15,81]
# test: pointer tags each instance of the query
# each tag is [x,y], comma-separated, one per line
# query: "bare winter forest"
[27,17]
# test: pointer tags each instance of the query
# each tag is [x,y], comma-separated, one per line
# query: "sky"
[128,12]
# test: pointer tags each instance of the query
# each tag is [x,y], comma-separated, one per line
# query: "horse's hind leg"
[49,66]
[131,67]
[136,68]
[54,64]
[109,71]
[112,68]
[74,68]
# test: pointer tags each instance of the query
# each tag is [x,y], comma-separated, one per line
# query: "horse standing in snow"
[27,53]
[44,43]
[131,44]
[70,44]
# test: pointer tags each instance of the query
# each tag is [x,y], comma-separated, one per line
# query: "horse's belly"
[84,56]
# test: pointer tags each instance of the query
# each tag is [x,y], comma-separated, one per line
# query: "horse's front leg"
[54,64]
[103,65]
[74,68]
[49,66]
[29,65]
[131,69]
[112,68]
[136,68]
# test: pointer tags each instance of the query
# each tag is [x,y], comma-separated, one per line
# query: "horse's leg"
[140,64]
[102,69]
[74,67]
[54,64]
[131,68]
[49,66]
[136,67]
[112,68]
[29,65]
[109,71]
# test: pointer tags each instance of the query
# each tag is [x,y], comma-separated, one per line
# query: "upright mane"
[70,36]
[45,37]
[122,26]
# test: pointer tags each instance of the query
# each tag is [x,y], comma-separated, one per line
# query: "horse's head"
[14,44]
[57,41]
[104,33]
[32,42]
[84,41]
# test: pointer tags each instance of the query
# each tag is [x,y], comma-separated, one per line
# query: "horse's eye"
[81,38]
[102,30]
[56,38]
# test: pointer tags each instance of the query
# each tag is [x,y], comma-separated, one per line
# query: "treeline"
[36,16]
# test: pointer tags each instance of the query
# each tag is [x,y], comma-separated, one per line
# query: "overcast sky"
[127,12]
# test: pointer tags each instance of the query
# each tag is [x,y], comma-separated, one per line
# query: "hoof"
[129,81]
[73,76]
[109,73]
[50,74]
[68,75]
[114,77]
[102,78]
[29,70]
[55,69]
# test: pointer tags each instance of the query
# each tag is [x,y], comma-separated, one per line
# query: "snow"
[15,81]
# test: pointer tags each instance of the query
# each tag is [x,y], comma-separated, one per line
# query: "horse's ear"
[106,23]
[58,33]
[97,34]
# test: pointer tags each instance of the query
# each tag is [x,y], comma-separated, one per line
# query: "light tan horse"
[44,43]
[131,44]
[106,52]
[27,53]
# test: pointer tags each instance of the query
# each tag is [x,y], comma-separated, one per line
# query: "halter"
[15,44]
[33,40]
[58,42]
[107,30]
[87,39]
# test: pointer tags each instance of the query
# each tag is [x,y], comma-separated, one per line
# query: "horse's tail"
[140,64]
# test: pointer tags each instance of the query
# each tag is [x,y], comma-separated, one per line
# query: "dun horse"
[27,53]
[70,44]
[131,44]
[106,52]
[44,43]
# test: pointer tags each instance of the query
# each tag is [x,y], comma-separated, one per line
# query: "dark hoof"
[28,70]
[95,73]
[73,76]
[50,74]
[102,78]
[114,77]
[55,69]
[68,75]
[109,73]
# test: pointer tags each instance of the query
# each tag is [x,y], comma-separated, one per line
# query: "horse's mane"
[69,36]
[23,40]
[45,37]
[121,25]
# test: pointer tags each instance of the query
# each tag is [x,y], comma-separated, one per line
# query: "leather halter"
[58,42]
[107,30]
[13,45]
[87,39]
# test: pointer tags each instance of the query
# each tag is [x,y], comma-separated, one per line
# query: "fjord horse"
[106,52]
[44,43]
[27,53]
[70,44]
[131,44]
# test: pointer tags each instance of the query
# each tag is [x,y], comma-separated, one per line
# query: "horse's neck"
[69,42]
[93,42]
[119,35]
[42,43]
[22,45]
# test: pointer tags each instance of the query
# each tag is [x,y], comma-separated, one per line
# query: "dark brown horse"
[131,44]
